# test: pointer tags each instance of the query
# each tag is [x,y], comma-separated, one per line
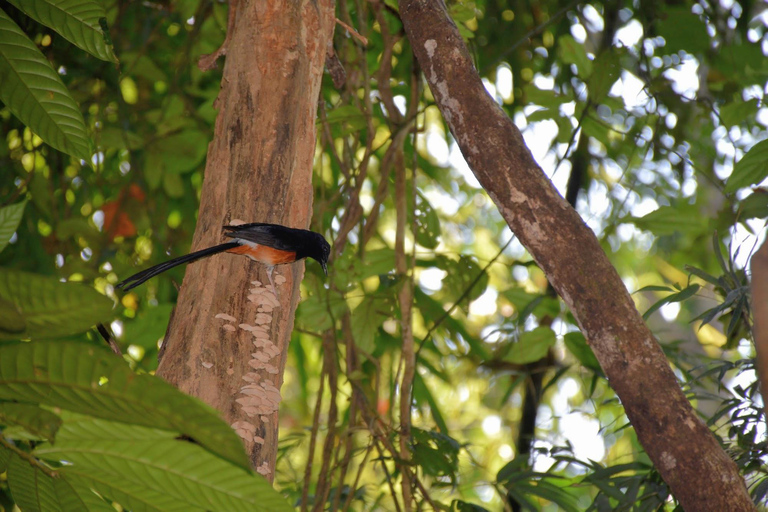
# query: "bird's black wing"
[272,235]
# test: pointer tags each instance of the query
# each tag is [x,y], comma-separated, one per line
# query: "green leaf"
[313,313]
[461,275]
[577,345]
[573,53]
[751,169]
[83,378]
[35,94]
[547,98]
[178,153]
[422,394]
[462,11]
[366,319]
[33,419]
[32,489]
[135,457]
[427,223]
[173,185]
[10,217]
[346,119]
[532,345]
[149,326]
[436,453]
[432,310]
[51,308]
[682,30]
[11,320]
[754,206]
[669,220]
[78,21]
[737,112]
[376,262]
[607,69]
[675,297]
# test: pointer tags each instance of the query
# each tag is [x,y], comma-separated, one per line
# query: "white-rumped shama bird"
[270,244]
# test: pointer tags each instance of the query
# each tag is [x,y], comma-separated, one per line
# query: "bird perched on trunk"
[270,244]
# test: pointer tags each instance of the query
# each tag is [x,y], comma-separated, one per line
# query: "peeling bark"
[227,342]
[700,474]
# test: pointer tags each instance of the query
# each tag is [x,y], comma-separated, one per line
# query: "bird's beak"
[325,268]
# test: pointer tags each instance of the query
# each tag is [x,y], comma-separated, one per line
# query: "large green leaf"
[35,94]
[35,490]
[49,307]
[157,460]
[89,380]
[10,216]
[532,345]
[33,419]
[751,169]
[32,489]
[670,220]
[78,21]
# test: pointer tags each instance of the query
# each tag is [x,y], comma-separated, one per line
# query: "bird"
[270,244]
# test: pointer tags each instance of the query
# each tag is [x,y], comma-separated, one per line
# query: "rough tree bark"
[227,340]
[759,267]
[699,473]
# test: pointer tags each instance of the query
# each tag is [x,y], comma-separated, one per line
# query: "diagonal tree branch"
[699,472]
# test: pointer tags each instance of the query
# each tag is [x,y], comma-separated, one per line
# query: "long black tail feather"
[139,278]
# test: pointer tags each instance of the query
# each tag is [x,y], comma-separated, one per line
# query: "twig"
[353,32]
[109,339]
[33,461]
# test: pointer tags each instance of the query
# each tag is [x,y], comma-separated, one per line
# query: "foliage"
[660,105]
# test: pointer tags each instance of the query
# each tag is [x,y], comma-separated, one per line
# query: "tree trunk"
[227,340]
[700,474]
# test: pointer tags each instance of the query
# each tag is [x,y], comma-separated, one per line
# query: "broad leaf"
[532,345]
[573,52]
[751,169]
[33,91]
[669,220]
[83,378]
[366,319]
[137,457]
[10,217]
[577,345]
[78,21]
[33,419]
[32,489]
[48,307]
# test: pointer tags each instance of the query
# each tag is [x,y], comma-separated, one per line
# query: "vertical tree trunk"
[699,472]
[227,340]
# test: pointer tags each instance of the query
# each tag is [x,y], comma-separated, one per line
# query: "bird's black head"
[318,249]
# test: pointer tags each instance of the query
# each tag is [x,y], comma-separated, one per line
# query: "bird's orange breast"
[265,254]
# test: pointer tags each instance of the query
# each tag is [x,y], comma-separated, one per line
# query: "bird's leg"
[270,269]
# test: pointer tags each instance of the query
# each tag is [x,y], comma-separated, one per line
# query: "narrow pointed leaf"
[89,380]
[78,21]
[36,95]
